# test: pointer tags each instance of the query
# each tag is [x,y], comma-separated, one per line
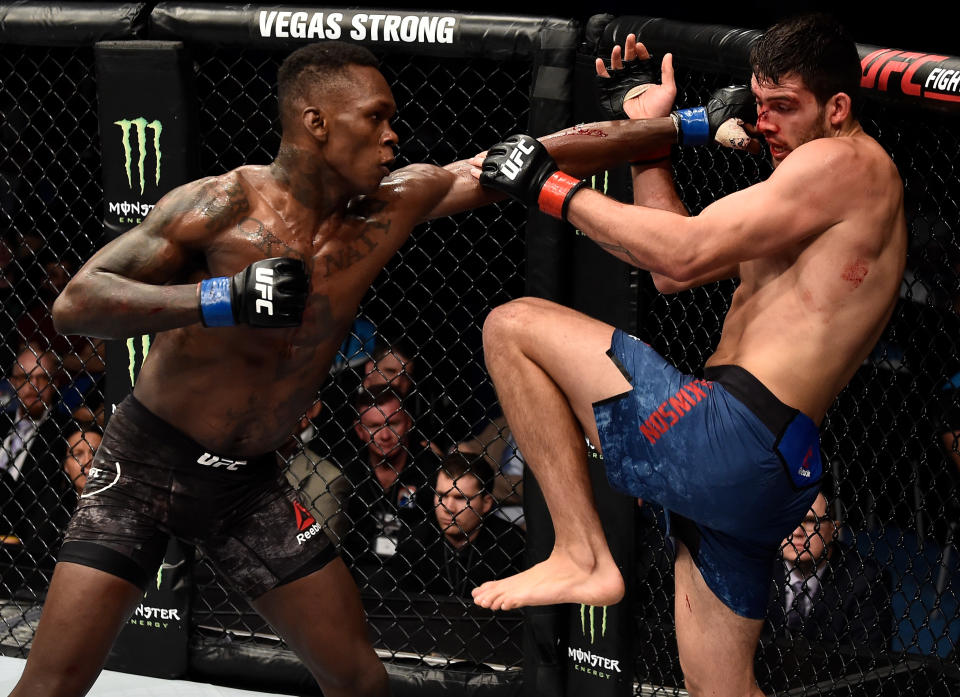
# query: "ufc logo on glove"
[511,168]
[264,287]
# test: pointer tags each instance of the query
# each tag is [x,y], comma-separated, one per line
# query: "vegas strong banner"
[146,128]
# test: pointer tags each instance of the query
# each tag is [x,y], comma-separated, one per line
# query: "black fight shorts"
[150,481]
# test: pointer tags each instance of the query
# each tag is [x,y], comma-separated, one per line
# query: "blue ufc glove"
[270,293]
[699,125]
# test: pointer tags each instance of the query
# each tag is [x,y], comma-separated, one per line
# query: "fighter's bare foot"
[559,579]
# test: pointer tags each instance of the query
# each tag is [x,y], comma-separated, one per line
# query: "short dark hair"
[816,48]
[378,395]
[398,347]
[317,63]
[458,464]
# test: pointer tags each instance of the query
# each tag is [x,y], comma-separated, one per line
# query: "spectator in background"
[825,591]
[81,447]
[81,358]
[461,546]
[323,489]
[391,364]
[33,493]
[78,354]
[390,475]
[496,443]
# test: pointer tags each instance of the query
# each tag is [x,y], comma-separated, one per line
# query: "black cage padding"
[70,23]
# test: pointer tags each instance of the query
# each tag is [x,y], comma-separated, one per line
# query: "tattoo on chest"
[367,239]
[263,239]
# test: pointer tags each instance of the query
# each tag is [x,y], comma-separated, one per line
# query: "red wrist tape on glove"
[556,192]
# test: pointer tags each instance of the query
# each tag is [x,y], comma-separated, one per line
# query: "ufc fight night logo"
[511,168]
[138,129]
[264,286]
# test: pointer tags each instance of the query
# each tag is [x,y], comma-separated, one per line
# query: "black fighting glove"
[699,125]
[269,293]
[624,84]
[522,167]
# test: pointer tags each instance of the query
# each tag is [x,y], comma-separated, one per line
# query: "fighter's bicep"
[163,245]
[766,218]
[141,255]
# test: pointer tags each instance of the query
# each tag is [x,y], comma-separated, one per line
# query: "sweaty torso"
[804,320]
[240,391]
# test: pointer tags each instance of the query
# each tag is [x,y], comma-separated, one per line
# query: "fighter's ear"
[316,122]
[839,109]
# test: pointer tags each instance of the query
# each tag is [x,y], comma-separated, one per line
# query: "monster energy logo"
[587,661]
[584,611]
[132,355]
[140,126]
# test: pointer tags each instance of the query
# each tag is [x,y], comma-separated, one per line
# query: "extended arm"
[797,201]
[580,150]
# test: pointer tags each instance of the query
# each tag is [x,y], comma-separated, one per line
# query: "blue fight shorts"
[735,469]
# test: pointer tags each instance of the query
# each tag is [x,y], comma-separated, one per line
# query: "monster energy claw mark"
[132,355]
[141,125]
[583,622]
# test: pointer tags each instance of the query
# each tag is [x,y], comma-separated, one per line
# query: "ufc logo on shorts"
[217,461]
[511,168]
[264,286]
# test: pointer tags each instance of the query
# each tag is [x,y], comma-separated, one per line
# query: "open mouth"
[777,150]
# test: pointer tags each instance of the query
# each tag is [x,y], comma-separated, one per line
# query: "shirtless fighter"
[250,280]
[819,249]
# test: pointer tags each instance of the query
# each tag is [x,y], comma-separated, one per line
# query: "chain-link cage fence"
[890,441]
[409,384]
[422,318]
[885,619]
[50,392]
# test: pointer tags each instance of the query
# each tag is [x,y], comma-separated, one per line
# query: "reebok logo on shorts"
[675,408]
[306,523]
[804,470]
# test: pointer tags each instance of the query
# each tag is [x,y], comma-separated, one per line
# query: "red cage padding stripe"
[555,193]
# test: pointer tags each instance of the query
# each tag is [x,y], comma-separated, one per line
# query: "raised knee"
[504,322]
